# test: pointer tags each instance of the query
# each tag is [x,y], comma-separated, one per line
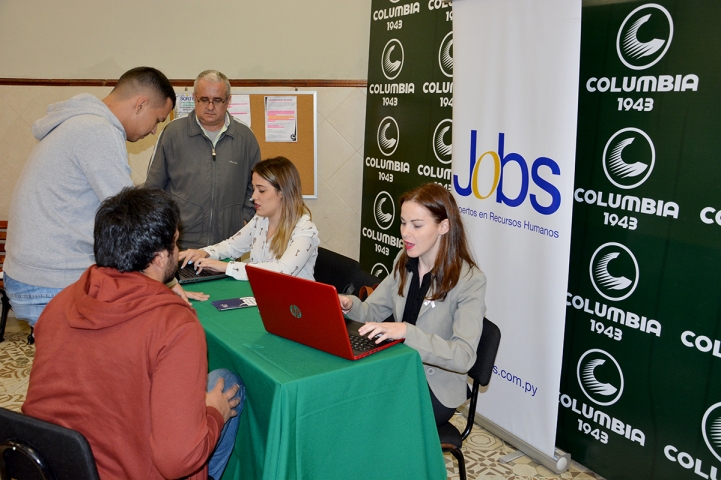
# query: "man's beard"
[170,271]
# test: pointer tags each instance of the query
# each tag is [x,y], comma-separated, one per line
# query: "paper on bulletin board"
[239,107]
[184,104]
[281,119]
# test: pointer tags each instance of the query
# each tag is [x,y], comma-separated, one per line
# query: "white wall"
[245,39]
[271,39]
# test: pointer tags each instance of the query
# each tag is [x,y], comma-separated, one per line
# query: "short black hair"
[147,77]
[133,226]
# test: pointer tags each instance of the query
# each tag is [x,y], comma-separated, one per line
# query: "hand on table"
[178,290]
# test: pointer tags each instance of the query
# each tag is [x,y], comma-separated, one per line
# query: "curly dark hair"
[133,226]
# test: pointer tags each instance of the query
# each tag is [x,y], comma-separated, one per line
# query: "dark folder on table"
[308,312]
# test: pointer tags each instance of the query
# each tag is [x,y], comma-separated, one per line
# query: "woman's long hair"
[284,177]
[453,249]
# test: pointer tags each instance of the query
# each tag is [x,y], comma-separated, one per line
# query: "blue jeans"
[224,448]
[28,301]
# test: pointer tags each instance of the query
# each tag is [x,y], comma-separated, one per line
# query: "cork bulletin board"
[303,152]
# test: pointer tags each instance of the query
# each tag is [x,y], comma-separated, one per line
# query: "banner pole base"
[559,463]
[511,457]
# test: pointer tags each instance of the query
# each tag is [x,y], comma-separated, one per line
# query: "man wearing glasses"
[204,162]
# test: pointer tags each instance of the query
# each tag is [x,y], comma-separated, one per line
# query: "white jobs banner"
[516,66]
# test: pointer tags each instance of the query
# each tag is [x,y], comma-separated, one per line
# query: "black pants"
[442,413]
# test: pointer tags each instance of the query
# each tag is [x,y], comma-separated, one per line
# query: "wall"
[341,119]
[273,39]
[281,39]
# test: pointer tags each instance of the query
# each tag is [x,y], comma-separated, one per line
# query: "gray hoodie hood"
[83,104]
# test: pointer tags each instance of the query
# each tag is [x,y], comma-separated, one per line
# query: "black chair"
[3,295]
[451,438]
[343,273]
[5,311]
[363,279]
[34,449]
[335,269]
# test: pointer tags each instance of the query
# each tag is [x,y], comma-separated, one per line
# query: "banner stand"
[558,463]
[517,198]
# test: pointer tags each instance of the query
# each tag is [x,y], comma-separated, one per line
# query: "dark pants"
[442,413]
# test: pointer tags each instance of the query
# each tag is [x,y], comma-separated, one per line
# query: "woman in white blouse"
[280,237]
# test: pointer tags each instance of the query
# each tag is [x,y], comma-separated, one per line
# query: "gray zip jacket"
[212,186]
[79,161]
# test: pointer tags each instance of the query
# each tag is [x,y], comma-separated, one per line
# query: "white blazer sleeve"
[236,245]
[302,246]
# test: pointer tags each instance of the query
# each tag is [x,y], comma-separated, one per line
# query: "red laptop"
[308,312]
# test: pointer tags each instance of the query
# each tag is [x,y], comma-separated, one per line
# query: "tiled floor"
[481,449]
[16,358]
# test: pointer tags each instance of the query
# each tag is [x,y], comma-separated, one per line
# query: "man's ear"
[141,102]
[159,259]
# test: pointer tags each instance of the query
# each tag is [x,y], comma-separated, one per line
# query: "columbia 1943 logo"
[388,136]
[600,377]
[644,36]
[379,270]
[614,271]
[445,55]
[711,430]
[628,158]
[711,425]
[384,210]
[442,145]
[392,59]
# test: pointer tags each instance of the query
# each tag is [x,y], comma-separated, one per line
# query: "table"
[313,415]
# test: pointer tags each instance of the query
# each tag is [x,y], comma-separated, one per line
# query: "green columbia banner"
[640,390]
[408,117]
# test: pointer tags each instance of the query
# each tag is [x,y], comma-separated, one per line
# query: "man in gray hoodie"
[80,160]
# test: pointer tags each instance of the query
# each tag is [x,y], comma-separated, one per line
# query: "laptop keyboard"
[363,344]
[189,272]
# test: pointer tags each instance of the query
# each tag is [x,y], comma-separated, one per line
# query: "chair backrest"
[486,353]
[31,448]
[335,269]
[3,236]
[363,279]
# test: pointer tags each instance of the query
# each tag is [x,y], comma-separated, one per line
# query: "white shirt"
[297,260]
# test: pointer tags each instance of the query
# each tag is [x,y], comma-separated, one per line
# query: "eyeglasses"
[215,101]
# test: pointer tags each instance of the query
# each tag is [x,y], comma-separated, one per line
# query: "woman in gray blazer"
[436,294]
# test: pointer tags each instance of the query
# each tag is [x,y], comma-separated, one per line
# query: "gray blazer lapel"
[425,307]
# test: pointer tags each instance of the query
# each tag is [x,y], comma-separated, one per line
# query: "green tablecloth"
[312,415]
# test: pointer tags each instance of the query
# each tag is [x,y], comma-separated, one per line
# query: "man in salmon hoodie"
[122,359]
